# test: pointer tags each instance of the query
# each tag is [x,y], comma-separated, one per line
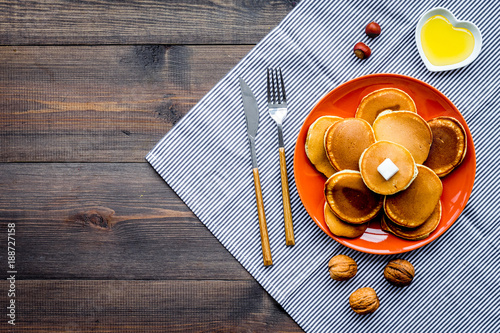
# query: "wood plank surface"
[100,103]
[60,22]
[87,88]
[145,306]
[105,221]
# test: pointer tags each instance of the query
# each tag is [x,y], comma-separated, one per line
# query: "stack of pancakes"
[386,125]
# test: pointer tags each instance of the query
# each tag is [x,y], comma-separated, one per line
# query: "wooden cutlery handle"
[287,207]
[264,237]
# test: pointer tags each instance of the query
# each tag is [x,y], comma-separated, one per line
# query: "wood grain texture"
[109,247]
[105,221]
[287,206]
[145,306]
[60,22]
[264,236]
[103,103]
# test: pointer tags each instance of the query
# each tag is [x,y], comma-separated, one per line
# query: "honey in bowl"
[444,44]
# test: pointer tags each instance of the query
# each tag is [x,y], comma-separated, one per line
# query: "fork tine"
[278,101]
[268,87]
[275,100]
[282,84]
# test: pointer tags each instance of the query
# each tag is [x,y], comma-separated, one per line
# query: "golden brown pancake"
[350,199]
[374,155]
[315,144]
[418,233]
[406,128]
[384,99]
[383,224]
[341,228]
[346,140]
[412,207]
[449,145]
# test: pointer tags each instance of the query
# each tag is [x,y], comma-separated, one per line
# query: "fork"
[276,98]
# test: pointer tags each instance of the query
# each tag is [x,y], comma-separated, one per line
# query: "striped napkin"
[457,282]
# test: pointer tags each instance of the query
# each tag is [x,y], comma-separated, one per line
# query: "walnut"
[364,301]
[399,272]
[342,267]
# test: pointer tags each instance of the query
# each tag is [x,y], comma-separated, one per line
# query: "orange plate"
[342,102]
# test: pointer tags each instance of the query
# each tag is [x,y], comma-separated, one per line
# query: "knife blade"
[252,119]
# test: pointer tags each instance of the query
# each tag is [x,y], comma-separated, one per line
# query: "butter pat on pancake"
[374,155]
[406,128]
[421,232]
[449,145]
[346,140]
[340,228]
[350,199]
[315,147]
[384,99]
[412,207]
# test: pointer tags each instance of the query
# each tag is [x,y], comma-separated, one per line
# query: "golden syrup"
[443,44]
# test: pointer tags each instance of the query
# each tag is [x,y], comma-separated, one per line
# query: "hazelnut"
[364,301]
[362,51]
[399,272]
[342,267]
[373,29]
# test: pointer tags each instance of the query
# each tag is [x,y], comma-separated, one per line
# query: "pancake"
[349,198]
[346,140]
[406,128]
[341,228]
[384,99]
[412,207]
[418,233]
[449,145]
[374,155]
[383,224]
[315,144]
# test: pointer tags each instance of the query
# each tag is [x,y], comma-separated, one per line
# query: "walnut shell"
[342,267]
[399,272]
[364,301]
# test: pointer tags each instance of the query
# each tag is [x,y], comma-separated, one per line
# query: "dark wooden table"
[101,242]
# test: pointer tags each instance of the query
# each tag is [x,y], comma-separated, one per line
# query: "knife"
[252,119]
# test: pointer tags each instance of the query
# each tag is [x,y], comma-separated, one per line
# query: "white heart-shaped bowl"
[458,24]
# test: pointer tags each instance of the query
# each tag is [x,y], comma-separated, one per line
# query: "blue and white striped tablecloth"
[457,282]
